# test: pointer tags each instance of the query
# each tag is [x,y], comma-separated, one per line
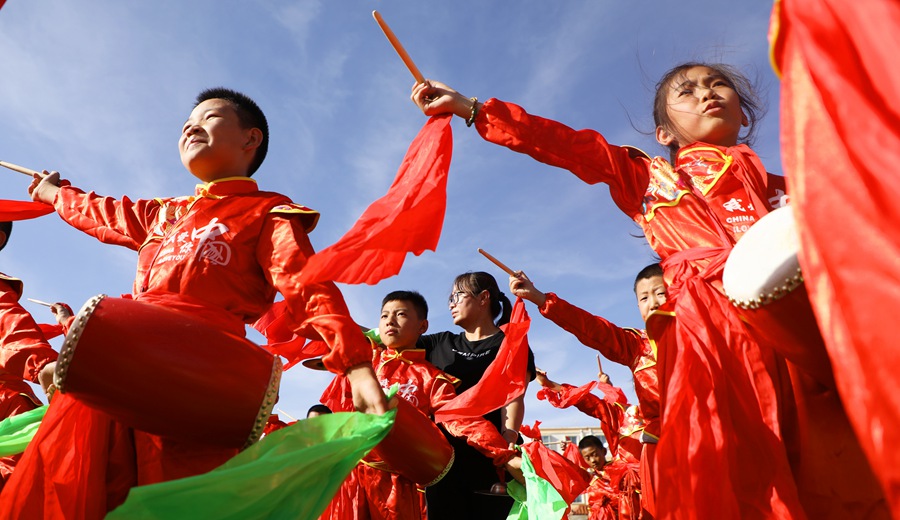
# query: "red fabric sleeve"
[118,222]
[318,309]
[583,152]
[477,431]
[623,346]
[23,349]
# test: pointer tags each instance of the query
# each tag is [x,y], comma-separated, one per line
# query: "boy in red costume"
[220,255]
[626,346]
[602,498]
[23,354]
[387,495]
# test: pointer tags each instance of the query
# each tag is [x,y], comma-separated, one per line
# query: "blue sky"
[99,91]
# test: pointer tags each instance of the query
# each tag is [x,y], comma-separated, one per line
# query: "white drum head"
[763,265]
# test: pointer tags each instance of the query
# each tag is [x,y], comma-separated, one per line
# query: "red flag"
[532,432]
[840,142]
[15,210]
[569,397]
[573,454]
[568,479]
[613,394]
[276,326]
[408,219]
[505,378]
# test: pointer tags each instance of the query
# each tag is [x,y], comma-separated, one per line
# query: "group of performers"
[730,422]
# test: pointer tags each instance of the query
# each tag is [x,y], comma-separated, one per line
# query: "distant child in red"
[23,354]
[602,497]
[386,495]
[623,427]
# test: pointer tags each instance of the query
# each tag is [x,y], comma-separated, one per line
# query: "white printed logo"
[215,251]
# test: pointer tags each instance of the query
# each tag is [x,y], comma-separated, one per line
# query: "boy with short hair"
[387,495]
[602,499]
[220,256]
[24,352]
[626,346]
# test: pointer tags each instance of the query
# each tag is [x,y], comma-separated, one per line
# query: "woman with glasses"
[480,309]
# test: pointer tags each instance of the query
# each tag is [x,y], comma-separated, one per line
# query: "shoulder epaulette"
[308,216]
[15,283]
[634,152]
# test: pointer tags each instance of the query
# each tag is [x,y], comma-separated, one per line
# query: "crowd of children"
[722,424]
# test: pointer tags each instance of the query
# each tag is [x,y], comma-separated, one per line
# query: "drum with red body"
[415,448]
[762,278]
[163,372]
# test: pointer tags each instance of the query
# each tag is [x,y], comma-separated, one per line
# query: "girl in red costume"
[722,393]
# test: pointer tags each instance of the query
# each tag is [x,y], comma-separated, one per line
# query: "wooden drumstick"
[282,412]
[39,302]
[398,47]
[20,169]
[498,263]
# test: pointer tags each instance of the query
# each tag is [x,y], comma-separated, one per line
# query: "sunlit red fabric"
[15,210]
[574,454]
[408,219]
[505,378]
[840,146]
[50,331]
[532,432]
[278,328]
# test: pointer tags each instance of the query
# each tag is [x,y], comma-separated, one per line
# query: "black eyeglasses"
[456,297]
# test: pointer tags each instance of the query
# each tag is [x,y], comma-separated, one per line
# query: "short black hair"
[648,272]
[249,114]
[5,228]
[591,441]
[413,297]
[318,408]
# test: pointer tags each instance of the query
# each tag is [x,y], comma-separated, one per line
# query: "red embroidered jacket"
[222,254]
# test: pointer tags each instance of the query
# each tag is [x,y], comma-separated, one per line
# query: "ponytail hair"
[474,283]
